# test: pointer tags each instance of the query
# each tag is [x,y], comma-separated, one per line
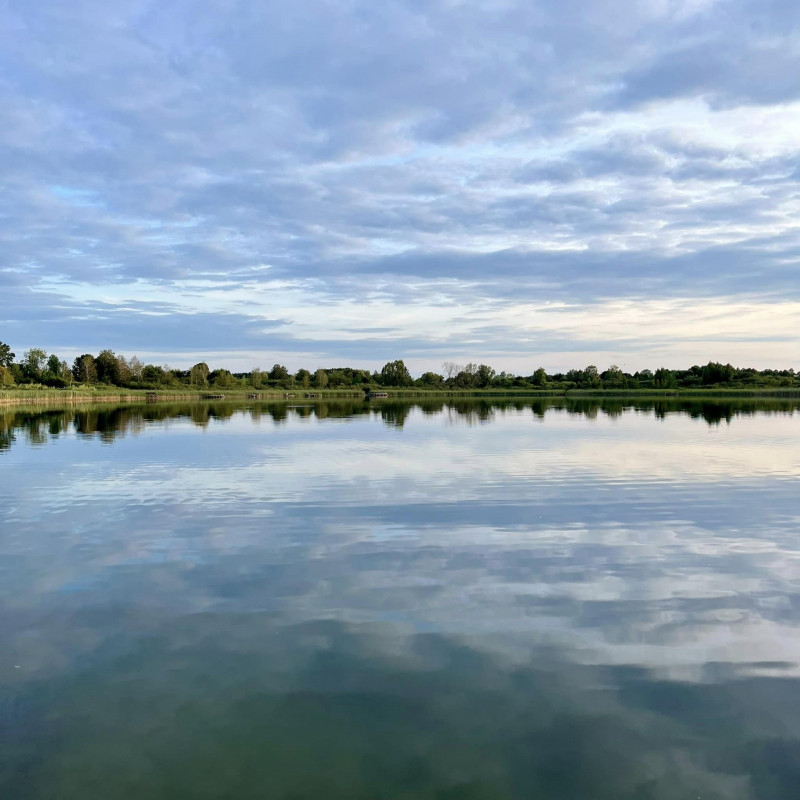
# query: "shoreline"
[56,397]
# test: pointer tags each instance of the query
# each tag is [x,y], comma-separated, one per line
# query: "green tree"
[33,364]
[6,378]
[278,373]
[124,373]
[223,379]
[136,367]
[6,356]
[613,377]
[320,379]
[484,376]
[256,378]
[714,372]
[464,380]
[54,365]
[303,377]
[664,379]
[198,374]
[575,376]
[591,377]
[395,373]
[51,373]
[337,379]
[467,378]
[84,369]
[431,379]
[503,379]
[65,373]
[107,367]
[171,376]
[153,375]
[540,378]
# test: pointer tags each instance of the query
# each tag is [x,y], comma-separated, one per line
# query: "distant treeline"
[36,367]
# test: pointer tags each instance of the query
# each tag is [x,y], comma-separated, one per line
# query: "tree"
[320,379]
[84,369]
[303,378]
[664,379]
[6,356]
[278,373]
[223,378]
[124,373]
[52,373]
[714,372]
[107,367]
[463,380]
[198,374]
[467,378]
[484,376]
[591,377]
[153,375]
[54,365]
[171,376]
[338,378]
[257,377]
[65,373]
[451,369]
[6,378]
[394,373]
[540,378]
[33,363]
[136,367]
[431,379]
[613,377]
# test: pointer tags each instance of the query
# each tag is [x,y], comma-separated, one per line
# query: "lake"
[511,599]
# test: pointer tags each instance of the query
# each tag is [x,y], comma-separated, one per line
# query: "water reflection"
[424,600]
[111,421]
[233,707]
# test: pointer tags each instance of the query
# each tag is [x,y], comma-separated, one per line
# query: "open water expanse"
[440,601]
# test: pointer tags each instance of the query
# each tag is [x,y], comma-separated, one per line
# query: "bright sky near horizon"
[318,183]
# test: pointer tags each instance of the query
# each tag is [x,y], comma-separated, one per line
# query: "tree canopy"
[110,368]
[6,356]
[395,373]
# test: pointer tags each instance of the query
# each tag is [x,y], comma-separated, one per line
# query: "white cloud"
[328,168]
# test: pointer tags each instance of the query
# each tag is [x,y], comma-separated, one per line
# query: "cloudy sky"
[543,182]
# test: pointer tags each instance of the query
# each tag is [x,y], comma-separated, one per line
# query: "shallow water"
[469,600]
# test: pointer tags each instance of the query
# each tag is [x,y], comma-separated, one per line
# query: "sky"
[345,182]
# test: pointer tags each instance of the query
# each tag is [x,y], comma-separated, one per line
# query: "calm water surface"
[441,601]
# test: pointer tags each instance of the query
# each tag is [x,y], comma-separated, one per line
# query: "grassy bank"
[710,393]
[37,395]
[644,394]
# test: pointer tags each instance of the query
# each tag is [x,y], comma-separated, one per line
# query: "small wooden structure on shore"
[151,397]
[372,395]
[311,394]
[213,397]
